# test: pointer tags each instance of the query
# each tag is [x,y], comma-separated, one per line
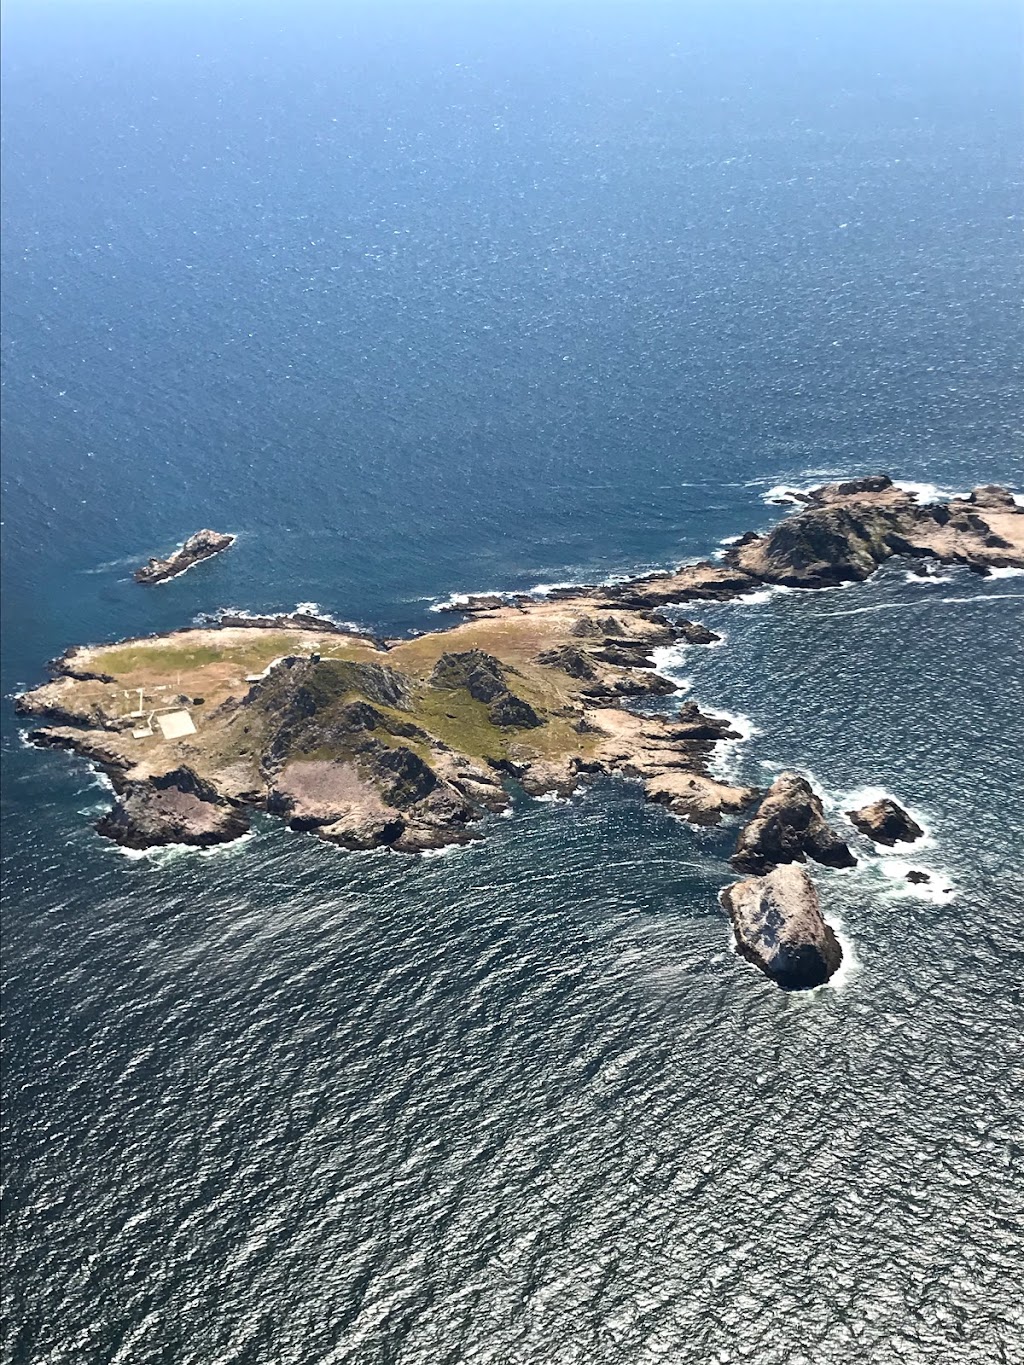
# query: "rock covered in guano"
[780,928]
[886,822]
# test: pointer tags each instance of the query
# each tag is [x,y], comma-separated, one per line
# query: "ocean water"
[426,300]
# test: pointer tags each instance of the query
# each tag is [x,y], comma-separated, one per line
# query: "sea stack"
[886,822]
[203,545]
[780,928]
[789,827]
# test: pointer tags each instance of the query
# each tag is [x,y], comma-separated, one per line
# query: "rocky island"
[410,743]
[203,545]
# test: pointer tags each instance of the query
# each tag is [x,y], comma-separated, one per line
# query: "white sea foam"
[727,758]
[927,492]
[460,599]
[446,851]
[939,889]
[668,661]
[739,722]
[1009,571]
[783,492]
[753,599]
[167,853]
[926,580]
[545,589]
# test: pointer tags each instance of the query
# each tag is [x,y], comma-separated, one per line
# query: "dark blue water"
[419,300]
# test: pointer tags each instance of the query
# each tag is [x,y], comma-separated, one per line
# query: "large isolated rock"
[886,822]
[789,827]
[780,928]
[821,547]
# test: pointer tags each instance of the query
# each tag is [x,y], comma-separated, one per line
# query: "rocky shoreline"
[408,744]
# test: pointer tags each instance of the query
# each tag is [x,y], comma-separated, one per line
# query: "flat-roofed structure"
[176,724]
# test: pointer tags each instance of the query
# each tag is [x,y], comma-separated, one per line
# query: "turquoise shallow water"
[490,302]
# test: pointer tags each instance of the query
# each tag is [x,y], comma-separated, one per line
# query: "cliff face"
[175,808]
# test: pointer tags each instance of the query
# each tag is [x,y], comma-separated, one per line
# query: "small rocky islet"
[409,743]
[202,545]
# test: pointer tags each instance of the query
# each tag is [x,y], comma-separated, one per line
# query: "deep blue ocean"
[432,298]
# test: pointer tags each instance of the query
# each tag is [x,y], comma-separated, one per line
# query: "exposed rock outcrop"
[993,497]
[789,827]
[691,724]
[511,711]
[886,822]
[847,530]
[570,660]
[779,927]
[290,620]
[482,675]
[693,633]
[483,602]
[203,545]
[175,808]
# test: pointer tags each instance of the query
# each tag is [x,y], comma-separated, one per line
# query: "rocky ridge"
[789,827]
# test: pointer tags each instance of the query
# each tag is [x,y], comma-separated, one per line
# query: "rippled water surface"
[498,300]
